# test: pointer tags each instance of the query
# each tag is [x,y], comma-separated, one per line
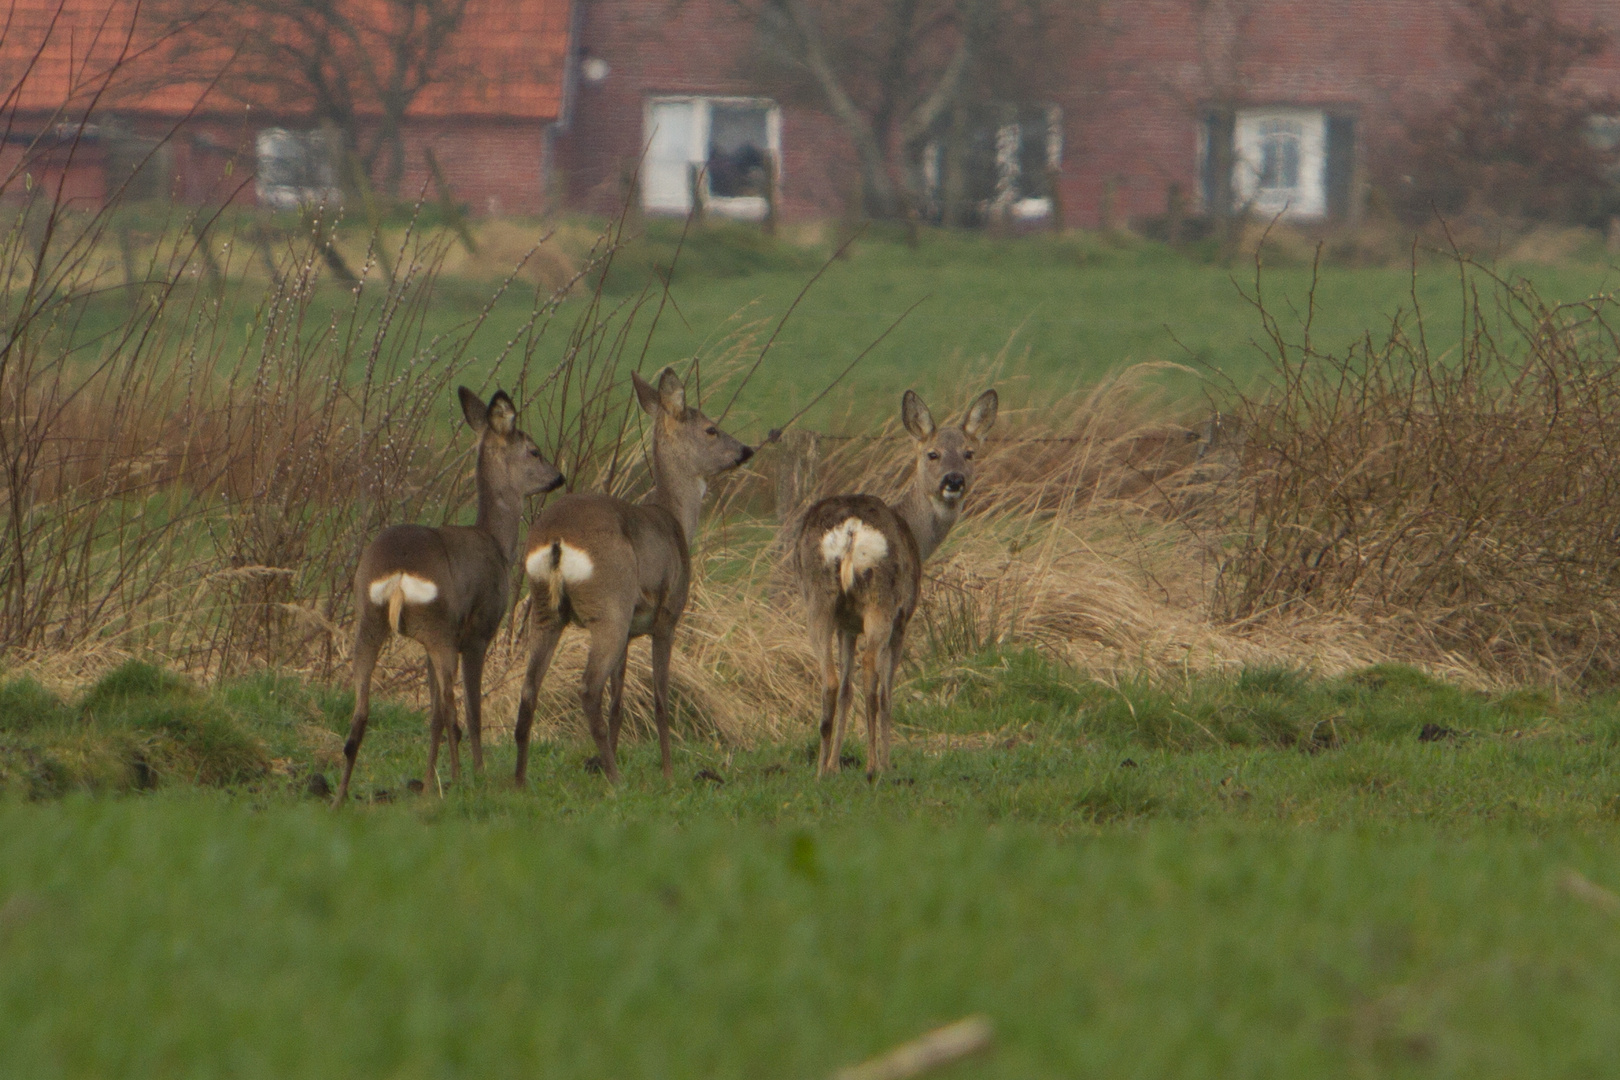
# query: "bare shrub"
[1463,502]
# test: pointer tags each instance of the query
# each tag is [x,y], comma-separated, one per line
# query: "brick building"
[1305,94]
[106,96]
[579,103]
[1319,91]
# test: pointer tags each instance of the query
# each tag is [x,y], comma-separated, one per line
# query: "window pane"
[1289,163]
[738,145]
[296,168]
[666,182]
[1034,137]
[1279,155]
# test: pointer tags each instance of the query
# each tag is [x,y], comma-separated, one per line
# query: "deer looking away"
[859,564]
[447,587]
[621,570]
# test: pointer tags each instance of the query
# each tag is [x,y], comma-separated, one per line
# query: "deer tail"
[396,601]
[851,548]
[554,576]
[846,562]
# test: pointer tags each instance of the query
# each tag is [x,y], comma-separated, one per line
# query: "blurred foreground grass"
[188,935]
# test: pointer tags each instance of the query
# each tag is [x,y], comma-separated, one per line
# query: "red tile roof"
[506,59]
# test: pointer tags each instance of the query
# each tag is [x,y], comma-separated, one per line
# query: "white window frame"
[740,207]
[1306,200]
[287,196]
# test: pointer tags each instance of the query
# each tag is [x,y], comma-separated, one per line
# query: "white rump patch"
[416,590]
[857,542]
[576,565]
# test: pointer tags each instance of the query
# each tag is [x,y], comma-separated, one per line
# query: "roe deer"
[622,570]
[447,587]
[859,565]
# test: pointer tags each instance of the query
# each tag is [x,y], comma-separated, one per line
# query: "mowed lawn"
[1268,876]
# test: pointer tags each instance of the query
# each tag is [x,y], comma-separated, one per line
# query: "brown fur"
[844,604]
[641,570]
[470,566]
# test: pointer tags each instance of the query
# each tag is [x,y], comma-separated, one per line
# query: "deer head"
[508,460]
[685,441]
[945,455]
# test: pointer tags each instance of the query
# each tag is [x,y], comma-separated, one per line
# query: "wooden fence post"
[795,472]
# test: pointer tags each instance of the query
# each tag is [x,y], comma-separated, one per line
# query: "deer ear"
[502,414]
[915,415]
[645,394]
[981,415]
[672,393]
[474,409]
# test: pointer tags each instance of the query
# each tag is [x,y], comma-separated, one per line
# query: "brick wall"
[492,166]
[655,47]
[77,178]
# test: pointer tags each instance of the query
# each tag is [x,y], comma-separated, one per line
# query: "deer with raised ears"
[448,587]
[622,570]
[859,564]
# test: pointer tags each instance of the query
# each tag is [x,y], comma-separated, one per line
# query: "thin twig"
[760,359]
[776,433]
[966,1037]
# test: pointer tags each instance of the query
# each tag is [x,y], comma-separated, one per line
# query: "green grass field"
[1264,876]
[1064,312]
[1067,313]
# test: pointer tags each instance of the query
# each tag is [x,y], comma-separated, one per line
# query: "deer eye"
[534,452]
[968,454]
[933,455]
[711,430]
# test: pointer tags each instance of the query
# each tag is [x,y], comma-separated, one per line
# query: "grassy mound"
[1009,735]
[136,728]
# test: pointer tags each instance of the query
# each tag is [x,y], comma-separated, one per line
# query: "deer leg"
[616,699]
[435,727]
[544,632]
[846,697]
[873,658]
[442,684]
[450,661]
[897,644]
[435,692]
[823,645]
[368,644]
[663,644]
[608,642]
[472,688]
